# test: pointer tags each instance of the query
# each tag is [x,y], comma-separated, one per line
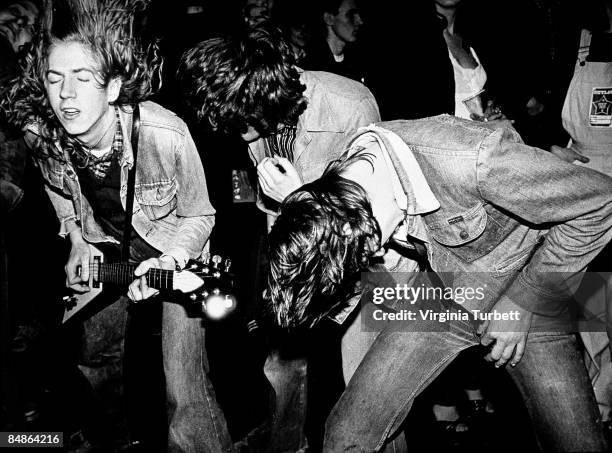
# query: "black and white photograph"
[306,226]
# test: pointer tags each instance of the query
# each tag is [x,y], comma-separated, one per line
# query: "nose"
[67,90]
[358,20]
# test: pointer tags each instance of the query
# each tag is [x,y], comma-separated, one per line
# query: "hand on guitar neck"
[139,288]
[204,287]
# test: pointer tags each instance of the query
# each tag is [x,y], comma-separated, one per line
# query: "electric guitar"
[204,286]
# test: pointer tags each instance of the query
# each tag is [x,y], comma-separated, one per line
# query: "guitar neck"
[123,274]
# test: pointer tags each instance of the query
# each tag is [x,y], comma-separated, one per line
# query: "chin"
[74,130]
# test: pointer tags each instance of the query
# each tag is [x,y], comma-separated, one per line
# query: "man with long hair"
[487,212]
[83,80]
[295,122]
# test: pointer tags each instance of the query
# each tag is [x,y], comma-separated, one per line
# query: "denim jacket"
[337,107]
[171,207]
[508,211]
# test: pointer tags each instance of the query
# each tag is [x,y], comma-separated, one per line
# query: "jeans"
[196,422]
[400,364]
[287,376]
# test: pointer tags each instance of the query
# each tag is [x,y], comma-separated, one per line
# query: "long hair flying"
[108,30]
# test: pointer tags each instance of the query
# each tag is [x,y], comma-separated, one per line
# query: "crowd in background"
[418,58]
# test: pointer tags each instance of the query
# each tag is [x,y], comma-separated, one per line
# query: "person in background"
[587,118]
[335,33]
[294,19]
[256,12]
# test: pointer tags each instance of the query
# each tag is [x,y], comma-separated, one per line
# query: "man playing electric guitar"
[84,81]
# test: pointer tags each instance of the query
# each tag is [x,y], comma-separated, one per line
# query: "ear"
[329,19]
[113,89]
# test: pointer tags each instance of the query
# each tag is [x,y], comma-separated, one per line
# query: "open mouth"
[70,113]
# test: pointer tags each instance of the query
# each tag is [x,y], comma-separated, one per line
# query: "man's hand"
[509,336]
[139,290]
[568,154]
[77,266]
[278,178]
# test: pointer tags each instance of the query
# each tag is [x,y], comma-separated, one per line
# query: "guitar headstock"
[209,285]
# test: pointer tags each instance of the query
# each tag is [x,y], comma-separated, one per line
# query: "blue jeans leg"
[558,394]
[287,376]
[398,366]
[196,422]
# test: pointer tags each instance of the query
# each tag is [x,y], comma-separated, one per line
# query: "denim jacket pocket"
[156,200]
[462,233]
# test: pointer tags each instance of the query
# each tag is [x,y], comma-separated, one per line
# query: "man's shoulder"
[155,116]
[447,133]
[320,83]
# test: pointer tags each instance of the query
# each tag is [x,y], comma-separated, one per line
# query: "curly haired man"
[295,122]
[83,79]
[487,212]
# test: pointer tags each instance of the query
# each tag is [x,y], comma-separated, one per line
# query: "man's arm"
[196,218]
[542,189]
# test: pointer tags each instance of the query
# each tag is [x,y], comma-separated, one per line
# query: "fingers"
[78,287]
[268,168]
[486,339]
[285,164]
[278,177]
[140,290]
[482,328]
[506,355]
[581,158]
[496,351]
[145,266]
[265,186]
[84,263]
[518,355]
[77,269]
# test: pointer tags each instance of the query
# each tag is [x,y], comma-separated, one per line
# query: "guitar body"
[203,287]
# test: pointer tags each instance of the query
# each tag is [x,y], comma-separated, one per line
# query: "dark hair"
[325,233]
[329,6]
[245,80]
[106,30]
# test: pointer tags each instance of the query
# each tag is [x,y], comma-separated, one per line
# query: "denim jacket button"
[464,234]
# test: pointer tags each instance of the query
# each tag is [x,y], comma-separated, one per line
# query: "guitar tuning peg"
[205,258]
[216,260]
[227,264]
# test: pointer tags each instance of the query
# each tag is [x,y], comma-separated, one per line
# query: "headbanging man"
[487,211]
[85,77]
